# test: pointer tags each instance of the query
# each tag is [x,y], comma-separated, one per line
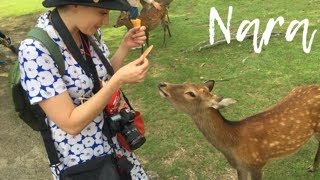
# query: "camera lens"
[137,142]
[133,137]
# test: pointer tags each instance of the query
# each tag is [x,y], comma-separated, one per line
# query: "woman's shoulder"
[43,23]
[43,19]
[30,49]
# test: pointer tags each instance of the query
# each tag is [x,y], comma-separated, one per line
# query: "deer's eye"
[190,94]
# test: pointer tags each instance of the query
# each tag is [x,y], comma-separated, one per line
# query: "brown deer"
[147,6]
[249,143]
[150,18]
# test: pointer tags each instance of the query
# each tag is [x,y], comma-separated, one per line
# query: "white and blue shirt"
[41,80]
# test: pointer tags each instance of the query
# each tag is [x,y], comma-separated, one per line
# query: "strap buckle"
[56,168]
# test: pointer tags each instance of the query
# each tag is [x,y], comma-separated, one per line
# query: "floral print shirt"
[41,80]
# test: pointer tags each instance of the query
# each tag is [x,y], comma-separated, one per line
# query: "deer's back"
[302,101]
[283,128]
[151,18]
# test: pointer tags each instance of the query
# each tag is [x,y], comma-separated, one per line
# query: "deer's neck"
[220,132]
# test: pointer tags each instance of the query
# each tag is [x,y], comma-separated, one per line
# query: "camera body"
[122,122]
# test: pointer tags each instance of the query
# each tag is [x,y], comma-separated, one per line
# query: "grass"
[175,148]
[19,7]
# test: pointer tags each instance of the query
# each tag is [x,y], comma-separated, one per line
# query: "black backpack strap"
[43,37]
[52,153]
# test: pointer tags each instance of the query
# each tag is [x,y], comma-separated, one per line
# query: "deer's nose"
[162,84]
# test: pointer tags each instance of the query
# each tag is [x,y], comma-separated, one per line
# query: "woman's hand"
[134,72]
[135,37]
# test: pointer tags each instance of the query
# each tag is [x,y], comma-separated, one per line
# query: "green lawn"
[19,7]
[175,148]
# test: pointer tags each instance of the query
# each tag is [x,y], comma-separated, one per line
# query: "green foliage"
[175,149]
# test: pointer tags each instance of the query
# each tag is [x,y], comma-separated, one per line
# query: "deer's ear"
[223,103]
[209,84]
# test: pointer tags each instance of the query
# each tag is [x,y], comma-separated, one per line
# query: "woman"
[75,126]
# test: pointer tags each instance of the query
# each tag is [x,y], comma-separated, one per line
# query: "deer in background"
[248,144]
[147,6]
[150,18]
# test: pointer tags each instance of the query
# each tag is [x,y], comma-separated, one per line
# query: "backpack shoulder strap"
[43,37]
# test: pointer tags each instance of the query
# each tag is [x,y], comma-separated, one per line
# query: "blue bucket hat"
[121,5]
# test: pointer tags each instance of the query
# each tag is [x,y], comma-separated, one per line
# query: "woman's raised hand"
[135,37]
[133,72]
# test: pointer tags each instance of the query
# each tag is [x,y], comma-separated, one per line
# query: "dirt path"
[22,154]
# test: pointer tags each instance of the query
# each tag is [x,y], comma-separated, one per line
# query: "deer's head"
[192,98]
[123,19]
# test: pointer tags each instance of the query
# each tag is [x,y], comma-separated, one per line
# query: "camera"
[123,123]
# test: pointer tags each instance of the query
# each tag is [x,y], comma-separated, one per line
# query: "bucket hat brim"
[121,5]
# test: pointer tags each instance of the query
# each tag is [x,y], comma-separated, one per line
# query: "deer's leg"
[168,29]
[242,174]
[316,161]
[256,174]
[165,25]
[167,14]
[147,40]
[164,34]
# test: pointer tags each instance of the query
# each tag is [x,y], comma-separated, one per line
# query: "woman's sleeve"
[39,73]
